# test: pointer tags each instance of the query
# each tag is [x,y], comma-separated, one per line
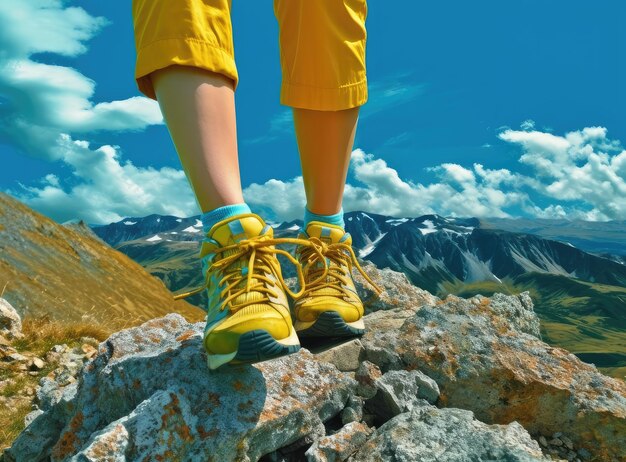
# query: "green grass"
[40,334]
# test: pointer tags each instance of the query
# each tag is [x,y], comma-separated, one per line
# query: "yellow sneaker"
[248,318]
[329,306]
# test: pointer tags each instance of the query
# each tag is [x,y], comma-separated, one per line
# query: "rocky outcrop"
[432,380]
[149,396]
[485,356]
[10,321]
[430,434]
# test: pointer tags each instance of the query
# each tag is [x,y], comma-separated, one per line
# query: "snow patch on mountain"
[156,237]
[430,228]
[365,251]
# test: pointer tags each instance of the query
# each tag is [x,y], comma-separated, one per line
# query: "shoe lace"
[258,252]
[330,276]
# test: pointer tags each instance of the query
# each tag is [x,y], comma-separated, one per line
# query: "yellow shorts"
[322,46]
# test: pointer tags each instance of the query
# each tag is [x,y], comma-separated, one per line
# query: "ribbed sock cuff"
[335,219]
[213,216]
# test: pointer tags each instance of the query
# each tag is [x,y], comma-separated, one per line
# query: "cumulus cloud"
[584,170]
[460,191]
[44,106]
[42,101]
[581,174]
[108,190]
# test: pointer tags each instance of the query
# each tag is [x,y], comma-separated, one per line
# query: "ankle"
[334,219]
[211,217]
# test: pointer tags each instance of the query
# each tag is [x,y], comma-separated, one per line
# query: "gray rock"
[107,445]
[346,356]
[152,380]
[32,416]
[10,321]
[396,393]
[430,434]
[427,387]
[486,357]
[339,446]
[37,364]
[397,289]
[16,357]
[353,412]
[366,376]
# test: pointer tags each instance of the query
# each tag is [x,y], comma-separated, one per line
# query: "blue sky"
[484,108]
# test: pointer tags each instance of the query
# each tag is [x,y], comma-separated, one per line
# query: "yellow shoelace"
[255,248]
[334,252]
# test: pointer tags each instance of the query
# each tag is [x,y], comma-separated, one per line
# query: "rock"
[485,357]
[89,351]
[15,357]
[339,446]
[396,393]
[397,289]
[36,364]
[346,356]
[366,376]
[10,321]
[28,419]
[353,412]
[430,434]
[427,387]
[148,395]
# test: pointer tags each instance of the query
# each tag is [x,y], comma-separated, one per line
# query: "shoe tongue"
[231,231]
[330,234]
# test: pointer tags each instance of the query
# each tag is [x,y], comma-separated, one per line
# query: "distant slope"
[69,274]
[599,237]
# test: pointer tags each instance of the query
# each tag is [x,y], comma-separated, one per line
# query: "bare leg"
[325,140]
[199,109]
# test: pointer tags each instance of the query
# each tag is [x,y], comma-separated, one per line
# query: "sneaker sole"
[256,346]
[330,324]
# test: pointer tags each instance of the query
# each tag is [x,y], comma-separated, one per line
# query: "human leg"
[185,61]
[323,65]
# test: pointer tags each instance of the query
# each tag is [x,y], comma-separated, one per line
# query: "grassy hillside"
[70,275]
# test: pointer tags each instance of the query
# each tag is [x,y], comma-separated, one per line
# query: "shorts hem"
[185,51]
[324,99]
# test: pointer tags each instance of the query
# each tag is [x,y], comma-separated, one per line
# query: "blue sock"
[213,216]
[335,219]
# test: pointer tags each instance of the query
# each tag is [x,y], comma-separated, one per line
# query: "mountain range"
[579,293]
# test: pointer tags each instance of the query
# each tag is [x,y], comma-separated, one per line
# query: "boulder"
[148,395]
[430,434]
[339,446]
[397,289]
[397,392]
[486,357]
[10,321]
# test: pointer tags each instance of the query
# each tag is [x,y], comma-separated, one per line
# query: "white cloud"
[582,174]
[528,125]
[582,169]
[44,101]
[462,192]
[107,190]
[44,105]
